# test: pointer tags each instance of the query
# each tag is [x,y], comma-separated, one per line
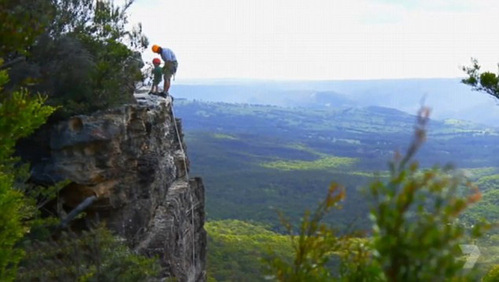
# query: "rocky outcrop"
[133,160]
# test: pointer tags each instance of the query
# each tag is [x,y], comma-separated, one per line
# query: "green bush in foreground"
[415,236]
[321,253]
[94,255]
[20,115]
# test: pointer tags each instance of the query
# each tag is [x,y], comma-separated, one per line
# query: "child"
[157,73]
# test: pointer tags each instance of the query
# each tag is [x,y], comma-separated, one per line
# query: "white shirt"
[167,54]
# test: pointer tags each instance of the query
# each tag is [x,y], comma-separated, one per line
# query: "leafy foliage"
[487,82]
[95,255]
[12,228]
[20,24]
[415,234]
[21,115]
[86,59]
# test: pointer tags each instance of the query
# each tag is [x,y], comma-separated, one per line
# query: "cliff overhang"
[133,160]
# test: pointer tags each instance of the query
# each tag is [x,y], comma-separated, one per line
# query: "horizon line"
[248,79]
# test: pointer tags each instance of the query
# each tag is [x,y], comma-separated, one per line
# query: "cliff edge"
[133,160]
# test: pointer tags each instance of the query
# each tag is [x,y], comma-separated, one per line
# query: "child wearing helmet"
[157,73]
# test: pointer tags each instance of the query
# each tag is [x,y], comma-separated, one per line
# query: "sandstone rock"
[133,160]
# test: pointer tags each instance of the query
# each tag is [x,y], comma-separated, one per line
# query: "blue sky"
[322,39]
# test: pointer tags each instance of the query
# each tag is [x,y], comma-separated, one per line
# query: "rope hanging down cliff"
[180,141]
[187,178]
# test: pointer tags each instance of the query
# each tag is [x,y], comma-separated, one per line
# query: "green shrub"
[20,115]
[416,236]
[94,255]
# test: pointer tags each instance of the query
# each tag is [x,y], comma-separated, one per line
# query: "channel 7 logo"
[472,252]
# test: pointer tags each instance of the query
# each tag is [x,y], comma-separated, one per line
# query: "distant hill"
[258,158]
[447,97]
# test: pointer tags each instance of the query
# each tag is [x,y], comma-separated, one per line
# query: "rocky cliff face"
[133,160]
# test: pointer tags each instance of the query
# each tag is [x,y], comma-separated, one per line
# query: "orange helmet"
[156,61]
[155,48]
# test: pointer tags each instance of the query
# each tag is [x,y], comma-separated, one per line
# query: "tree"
[86,59]
[20,25]
[21,113]
[487,82]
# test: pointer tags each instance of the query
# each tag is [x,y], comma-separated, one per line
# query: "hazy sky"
[322,39]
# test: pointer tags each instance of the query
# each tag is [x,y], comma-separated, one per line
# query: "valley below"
[262,161]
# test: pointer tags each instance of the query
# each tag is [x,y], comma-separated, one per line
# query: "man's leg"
[167,78]
[167,85]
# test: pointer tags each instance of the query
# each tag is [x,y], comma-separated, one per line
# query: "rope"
[193,233]
[179,141]
[187,178]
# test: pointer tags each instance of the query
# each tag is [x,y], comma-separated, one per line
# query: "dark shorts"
[156,80]
[170,69]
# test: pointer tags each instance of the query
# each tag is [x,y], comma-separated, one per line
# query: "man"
[170,67]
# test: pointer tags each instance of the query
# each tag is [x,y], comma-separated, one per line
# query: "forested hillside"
[259,160]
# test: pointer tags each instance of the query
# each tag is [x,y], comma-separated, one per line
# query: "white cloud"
[322,39]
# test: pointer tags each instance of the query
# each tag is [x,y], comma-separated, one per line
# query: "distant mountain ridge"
[369,125]
[447,97]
